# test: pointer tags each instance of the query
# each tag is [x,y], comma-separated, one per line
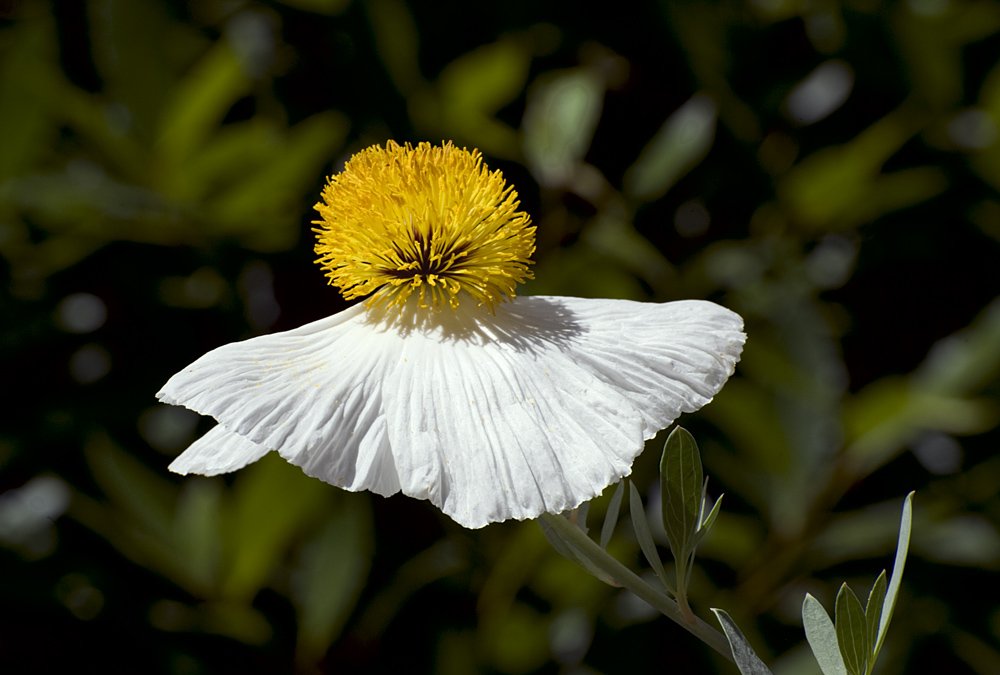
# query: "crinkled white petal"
[313,394]
[535,409]
[218,451]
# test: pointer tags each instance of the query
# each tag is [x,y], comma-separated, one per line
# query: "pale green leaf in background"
[964,362]
[26,124]
[196,527]
[397,42]
[263,208]
[272,501]
[612,233]
[842,187]
[682,142]
[331,573]
[462,104]
[559,122]
[136,48]
[199,102]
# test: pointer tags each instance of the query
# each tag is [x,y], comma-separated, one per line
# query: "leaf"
[196,529]
[681,485]
[470,91]
[331,575]
[397,42]
[852,631]
[200,102]
[966,361]
[708,521]
[134,45]
[822,637]
[567,550]
[258,208]
[902,546]
[645,537]
[611,517]
[27,124]
[873,614]
[559,122]
[746,659]
[682,142]
[272,501]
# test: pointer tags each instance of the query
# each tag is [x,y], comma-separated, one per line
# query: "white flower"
[490,406]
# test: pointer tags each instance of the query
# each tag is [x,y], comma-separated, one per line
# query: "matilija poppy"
[444,385]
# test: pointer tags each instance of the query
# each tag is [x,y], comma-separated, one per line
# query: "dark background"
[830,173]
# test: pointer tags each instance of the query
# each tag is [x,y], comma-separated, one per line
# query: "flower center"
[431,220]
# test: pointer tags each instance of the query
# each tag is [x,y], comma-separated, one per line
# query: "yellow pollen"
[431,219]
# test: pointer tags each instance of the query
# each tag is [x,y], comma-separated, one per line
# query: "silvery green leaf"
[681,486]
[644,536]
[873,614]
[852,631]
[902,546]
[611,517]
[746,659]
[822,637]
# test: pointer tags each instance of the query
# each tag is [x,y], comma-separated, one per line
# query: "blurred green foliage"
[828,170]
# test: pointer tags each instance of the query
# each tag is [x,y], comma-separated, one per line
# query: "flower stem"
[584,545]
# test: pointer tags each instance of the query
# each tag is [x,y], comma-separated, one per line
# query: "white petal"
[218,451]
[541,407]
[313,394]
[490,417]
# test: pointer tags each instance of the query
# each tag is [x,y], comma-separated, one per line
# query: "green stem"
[584,545]
[681,569]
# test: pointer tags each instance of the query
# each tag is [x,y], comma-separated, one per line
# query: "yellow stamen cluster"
[430,219]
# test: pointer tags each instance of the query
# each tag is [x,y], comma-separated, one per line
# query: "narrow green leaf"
[331,574]
[709,520]
[611,517]
[902,546]
[580,517]
[272,501]
[746,659]
[873,615]
[396,41]
[681,490]
[566,549]
[200,101]
[196,526]
[822,637]
[678,146]
[852,631]
[644,536]
[557,542]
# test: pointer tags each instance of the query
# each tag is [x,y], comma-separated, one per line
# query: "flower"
[444,385]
